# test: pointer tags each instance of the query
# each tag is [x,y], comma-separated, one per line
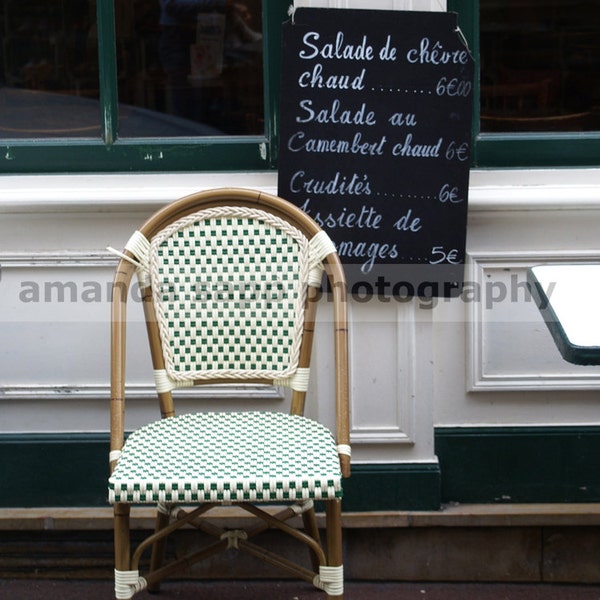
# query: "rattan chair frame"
[168,521]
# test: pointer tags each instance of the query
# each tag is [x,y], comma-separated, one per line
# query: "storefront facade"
[453,400]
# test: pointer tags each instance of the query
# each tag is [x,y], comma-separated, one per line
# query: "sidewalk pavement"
[44,589]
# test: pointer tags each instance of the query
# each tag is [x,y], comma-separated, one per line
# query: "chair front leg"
[122,539]
[127,582]
[334,572]
[122,543]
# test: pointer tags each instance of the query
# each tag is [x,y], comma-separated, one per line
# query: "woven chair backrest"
[229,287]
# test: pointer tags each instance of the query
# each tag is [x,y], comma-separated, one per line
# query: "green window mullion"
[468,22]
[275,13]
[107,63]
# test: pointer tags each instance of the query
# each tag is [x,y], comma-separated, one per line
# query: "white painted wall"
[513,372]
[486,361]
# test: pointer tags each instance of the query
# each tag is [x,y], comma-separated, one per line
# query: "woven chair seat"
[228,457]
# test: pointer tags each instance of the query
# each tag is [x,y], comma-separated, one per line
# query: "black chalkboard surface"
[375,132]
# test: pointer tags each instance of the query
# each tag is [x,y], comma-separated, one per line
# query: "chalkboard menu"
[375,133]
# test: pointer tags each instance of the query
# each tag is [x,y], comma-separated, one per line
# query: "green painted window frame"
[537,150]
[111,154]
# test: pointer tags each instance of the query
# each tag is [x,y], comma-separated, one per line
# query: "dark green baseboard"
[58,470]
[72,470]
[412,486]
[476,465]
[519,464]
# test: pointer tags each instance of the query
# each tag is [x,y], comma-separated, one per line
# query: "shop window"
[49,78]
[537,100]
[201,73]
[138,84]
[540,65]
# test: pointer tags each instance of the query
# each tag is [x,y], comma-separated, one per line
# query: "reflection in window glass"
[48,69]
[190,67]
[540,65]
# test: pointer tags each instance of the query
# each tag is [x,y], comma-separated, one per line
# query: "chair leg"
[158,548]
[122,543]
[333,510]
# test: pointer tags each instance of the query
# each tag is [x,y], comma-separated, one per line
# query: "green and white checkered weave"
[229,286]
[228,457]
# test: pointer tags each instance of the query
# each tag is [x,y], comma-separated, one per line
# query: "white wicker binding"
[331,580]
[320,246]
[298,382]
[128,583]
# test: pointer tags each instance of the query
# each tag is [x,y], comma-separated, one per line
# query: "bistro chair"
[230,280]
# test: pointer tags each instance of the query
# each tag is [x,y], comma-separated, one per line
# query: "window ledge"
[534,189]
[115,192]
[490,190]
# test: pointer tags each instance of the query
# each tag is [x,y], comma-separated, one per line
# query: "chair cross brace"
[232,538]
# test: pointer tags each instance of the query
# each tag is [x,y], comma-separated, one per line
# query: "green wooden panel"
[405,486]
[214,154]
[476,465]
[72,470]
[53,470]
[519,464]
[538,150]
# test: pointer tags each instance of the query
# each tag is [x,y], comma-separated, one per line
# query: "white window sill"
[489,190]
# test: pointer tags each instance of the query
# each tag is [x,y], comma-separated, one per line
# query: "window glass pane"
[540,65]
[48,69]
[189,67]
